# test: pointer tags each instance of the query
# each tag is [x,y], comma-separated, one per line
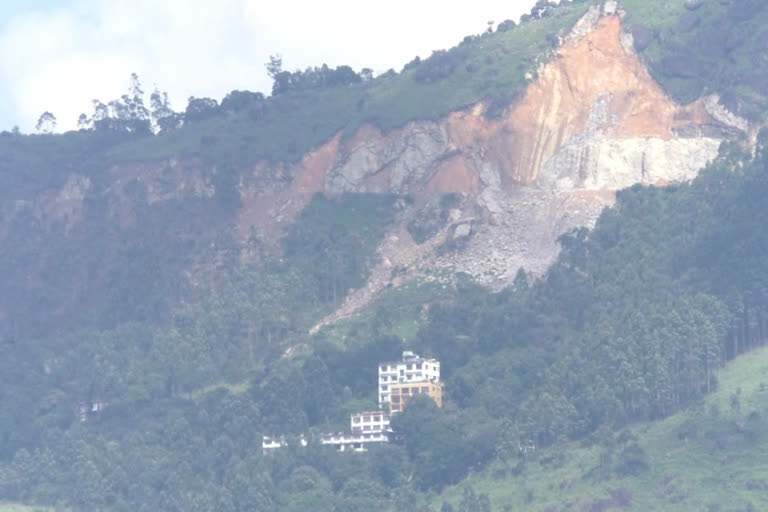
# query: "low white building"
[369,421]
[272,443]
[412,369]
[269,443]
[401,380]
[357,442]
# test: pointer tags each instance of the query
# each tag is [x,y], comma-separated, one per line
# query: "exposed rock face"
[407,158]
[722,115]
[595,90]
[585,25]
[592,123]
[67,205]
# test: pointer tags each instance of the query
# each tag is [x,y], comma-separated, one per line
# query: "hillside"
[708,457]
[529,207]
[580,127]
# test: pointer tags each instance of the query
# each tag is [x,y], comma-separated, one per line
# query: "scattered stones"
[585,25]
[462,230]
[723,115]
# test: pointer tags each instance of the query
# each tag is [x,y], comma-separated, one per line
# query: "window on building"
[425,389]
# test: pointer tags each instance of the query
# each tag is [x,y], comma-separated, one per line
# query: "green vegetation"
[319,102]
[630,325]
[609,364]
[336,244]
[707,457]
[712,48]
[32,164]
[691,52]
[397,312]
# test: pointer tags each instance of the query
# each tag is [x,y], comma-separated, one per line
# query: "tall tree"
[46,123]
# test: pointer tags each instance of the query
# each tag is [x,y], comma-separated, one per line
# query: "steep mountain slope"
[591,123]
[708,457]
[157,290]
[488,189]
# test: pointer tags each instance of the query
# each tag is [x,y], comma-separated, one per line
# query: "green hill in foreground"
[711,456]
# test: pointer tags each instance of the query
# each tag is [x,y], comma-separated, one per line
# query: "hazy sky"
[59,55]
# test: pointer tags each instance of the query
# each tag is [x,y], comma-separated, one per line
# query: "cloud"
[59,60]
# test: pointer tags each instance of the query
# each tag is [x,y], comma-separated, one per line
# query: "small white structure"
[355,442]
[269,443]
[89,409]
[412,369]
[527,446]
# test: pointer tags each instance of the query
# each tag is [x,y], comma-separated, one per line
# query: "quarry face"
[592,122]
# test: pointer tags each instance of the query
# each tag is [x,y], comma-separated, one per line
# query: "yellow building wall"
[401,392]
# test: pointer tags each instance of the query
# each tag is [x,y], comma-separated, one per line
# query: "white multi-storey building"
[398,382]
[412,369]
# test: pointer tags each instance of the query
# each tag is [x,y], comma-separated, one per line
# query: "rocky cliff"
[591,121]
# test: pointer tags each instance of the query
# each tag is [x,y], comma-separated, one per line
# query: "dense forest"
[124,387]
[631,323]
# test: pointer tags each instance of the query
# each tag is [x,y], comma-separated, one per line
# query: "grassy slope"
[491,66]
[714,467]
[400,311]
[687,59]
